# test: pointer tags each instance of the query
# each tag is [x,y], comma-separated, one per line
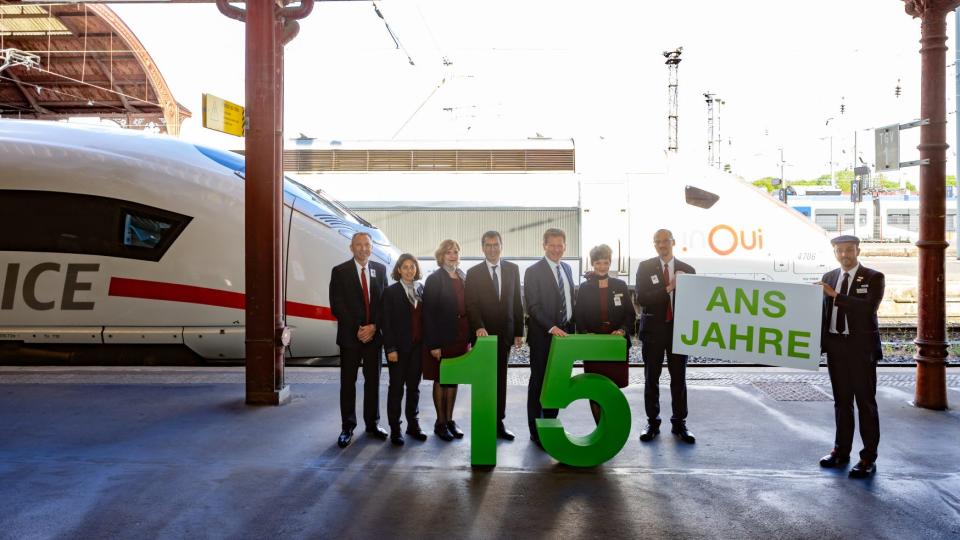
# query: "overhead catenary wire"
[396,41]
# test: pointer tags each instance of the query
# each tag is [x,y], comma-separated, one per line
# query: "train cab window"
[55,222]
[700,198]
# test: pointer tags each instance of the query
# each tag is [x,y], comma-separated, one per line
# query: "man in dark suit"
[356,289]
[656,280]
[549,292]
[494,308]
[850,336]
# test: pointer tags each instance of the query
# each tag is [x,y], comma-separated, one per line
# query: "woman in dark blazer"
[604,306]
[402,326]
[446,332]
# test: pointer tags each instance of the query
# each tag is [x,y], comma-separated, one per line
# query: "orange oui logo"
[724,239]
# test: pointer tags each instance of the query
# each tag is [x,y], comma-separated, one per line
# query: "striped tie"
[563,297]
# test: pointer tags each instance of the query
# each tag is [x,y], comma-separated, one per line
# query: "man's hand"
[618,333]
[827,289]
[392,356]
[518,341]
[482,332]
[435,353]
[365,333]
[673,283]
[557,332]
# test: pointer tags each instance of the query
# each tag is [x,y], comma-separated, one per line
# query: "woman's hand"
[435,353]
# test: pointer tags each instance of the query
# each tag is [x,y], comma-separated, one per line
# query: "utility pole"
[673,117]
[710,119]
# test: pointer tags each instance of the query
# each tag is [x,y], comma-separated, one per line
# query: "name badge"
[862,290]
[373,273]
[654,279]
[617,299]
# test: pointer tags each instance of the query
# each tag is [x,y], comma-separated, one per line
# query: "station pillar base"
[277,397]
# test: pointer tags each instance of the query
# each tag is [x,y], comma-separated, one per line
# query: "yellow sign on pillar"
[222,115]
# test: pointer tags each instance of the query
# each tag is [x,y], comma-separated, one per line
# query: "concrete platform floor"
[174,453]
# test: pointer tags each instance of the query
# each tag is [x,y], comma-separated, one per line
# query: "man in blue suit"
[548,288]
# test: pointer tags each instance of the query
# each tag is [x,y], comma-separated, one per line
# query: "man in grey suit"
[494,308]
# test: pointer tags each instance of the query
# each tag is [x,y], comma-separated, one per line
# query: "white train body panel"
[198,281]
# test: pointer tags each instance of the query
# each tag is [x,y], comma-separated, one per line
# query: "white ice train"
[109,237]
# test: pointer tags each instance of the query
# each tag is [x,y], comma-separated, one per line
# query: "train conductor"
[655,284]
[850,336]
[356,292]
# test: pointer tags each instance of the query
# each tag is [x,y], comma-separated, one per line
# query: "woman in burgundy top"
[604,306]
[446,332]
[402,326]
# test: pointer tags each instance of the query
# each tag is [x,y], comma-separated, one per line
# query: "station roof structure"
[66,60]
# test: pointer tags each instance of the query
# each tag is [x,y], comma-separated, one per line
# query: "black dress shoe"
[684,434]
[504,433]
[832,461]
[417,433]
[649,433]
[344,439]
[863,469]
[454,430]
[442,432]
[396,438]
[377,432]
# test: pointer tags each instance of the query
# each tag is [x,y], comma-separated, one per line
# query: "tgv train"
[420,192]
[115,237]
[888,218]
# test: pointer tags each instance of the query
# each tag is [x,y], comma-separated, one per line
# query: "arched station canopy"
[66,60]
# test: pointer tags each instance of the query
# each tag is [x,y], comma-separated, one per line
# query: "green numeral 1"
[560,390]
[478,368]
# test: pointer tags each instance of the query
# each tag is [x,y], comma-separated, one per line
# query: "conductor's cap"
[845,239]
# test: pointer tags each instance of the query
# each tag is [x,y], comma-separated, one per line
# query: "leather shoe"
[396,438]
[649,433]
[377,432]
[863,469]
[504,433]
[454,430]
[416,433]
[344,439]
[442,432]
[684,434]
[832,461]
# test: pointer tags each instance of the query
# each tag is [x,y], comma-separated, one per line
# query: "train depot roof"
[66,60]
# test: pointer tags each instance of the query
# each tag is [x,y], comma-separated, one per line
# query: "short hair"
[445,246]
[404,258]
[490,234]
[600,252]
[360,233]
[551,232]
[662,231]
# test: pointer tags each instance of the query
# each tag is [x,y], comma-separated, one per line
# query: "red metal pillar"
[931,392]
[268,28]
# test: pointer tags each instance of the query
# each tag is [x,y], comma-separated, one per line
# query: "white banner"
[746,321]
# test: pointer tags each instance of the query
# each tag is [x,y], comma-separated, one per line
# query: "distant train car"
[887,218]
[420,192]
[115,237]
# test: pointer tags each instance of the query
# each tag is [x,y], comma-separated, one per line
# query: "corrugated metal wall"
[420,231]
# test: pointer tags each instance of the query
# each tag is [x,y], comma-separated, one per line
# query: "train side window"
[700,198]
[55,222]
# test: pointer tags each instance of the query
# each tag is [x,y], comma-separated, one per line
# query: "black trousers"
[350,361]
[503,356]
[539,351]
[404,373]
[655,345]
[853,376]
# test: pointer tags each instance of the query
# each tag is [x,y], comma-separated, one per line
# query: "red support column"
[931,392]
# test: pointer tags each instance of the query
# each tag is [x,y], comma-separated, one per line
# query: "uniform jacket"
[542,294]
[501,317]
[346,300]
[587,310]
[652,292]
[397,319]
[860,304]
[440,316]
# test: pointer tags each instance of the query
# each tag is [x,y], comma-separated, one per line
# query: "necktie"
[666,281]
[841,313]
[496,281]
[563,297]
[366,293]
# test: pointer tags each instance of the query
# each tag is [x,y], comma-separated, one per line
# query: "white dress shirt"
[836,287]
[670,273]
[360,278]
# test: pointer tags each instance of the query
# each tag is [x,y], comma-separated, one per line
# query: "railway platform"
[174,453]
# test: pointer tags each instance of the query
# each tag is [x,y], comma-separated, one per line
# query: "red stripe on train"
[173,292]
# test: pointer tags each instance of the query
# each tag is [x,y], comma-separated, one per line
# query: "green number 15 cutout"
[560,390]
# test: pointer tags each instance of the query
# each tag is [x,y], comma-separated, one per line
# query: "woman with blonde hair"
[446,332]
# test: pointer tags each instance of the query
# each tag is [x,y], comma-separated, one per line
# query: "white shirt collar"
[491,265]
[359,266]
[852,272]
